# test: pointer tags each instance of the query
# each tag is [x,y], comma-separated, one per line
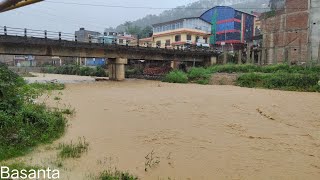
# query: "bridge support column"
[213,60]
[175,64]
[117,69]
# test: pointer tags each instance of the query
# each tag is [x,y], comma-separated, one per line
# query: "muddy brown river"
[196,132]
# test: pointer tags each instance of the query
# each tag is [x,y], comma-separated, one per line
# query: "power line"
[134,7]
[154,8]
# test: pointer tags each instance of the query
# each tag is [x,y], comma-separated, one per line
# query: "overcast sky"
[57,16]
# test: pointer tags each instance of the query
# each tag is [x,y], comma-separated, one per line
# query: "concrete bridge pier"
[116,68]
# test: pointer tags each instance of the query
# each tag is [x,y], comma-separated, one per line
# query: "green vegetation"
[176,77]
[73,150]
[199,75]
[76,70]
[47,86]
[23,123]
[282,81]
[280,76]
[20,166]
[116,175]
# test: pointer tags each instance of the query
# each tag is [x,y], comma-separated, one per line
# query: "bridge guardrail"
[24,32]
[53,35]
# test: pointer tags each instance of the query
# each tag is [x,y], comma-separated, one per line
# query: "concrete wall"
[315,28]
[7,59]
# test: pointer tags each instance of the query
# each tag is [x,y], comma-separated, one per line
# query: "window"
[197,38]
[120,41]
[189,37]
[168,42]
[177,38]
[158,43]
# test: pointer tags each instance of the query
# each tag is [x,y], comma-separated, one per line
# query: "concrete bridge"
[117,55]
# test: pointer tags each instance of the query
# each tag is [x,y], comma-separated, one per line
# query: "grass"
[279,76]
[20,166]
[23,123]
[176,77]
[76,70]
[199,75]
[73,150]
[116,175]
[47,86]
[68,111]
[281,81]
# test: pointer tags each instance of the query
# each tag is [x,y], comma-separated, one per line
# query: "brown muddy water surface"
[196,132]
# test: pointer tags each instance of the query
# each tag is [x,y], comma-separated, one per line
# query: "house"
[146,42]
[180,33]
[124,39]
[229,26]
[86,36]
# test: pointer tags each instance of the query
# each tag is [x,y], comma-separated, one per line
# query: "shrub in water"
[24,124]
[176,77]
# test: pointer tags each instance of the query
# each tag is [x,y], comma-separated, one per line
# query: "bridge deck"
[17,45]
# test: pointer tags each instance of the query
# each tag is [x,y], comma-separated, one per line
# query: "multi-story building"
[85,35]
[124,39]
[291,33]
[180,33]
[229,26]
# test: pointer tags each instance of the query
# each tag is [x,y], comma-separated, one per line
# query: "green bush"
[247,68]
[134,71]
[199,74]
[232,68]
[100,72]
[116,175]
[176,77]
[24,124]
[283,81]
[76,70]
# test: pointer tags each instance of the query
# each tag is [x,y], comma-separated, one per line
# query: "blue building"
[229,25]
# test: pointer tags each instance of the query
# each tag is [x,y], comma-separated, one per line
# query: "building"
[146,42]
[95,61]
[24,61]
[229,25]
[124,39]
[180,33]
[291,34]
[86,36]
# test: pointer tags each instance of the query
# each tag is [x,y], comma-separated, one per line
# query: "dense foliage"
[23,123]
[283,81]
[280,76]
[176,77]
[76,70]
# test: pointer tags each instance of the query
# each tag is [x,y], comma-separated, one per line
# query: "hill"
[191,10]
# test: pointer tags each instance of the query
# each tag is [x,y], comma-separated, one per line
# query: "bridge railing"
[53,35]
[24,32]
